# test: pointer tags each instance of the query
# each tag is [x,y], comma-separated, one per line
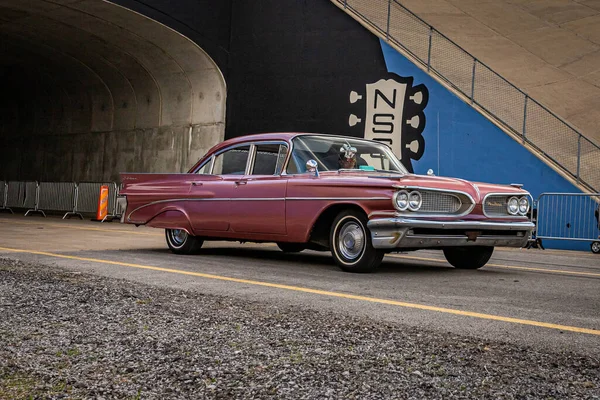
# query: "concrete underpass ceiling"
[91,89]
[101,68]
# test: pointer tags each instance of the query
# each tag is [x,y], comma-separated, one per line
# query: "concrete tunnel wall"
[91,89]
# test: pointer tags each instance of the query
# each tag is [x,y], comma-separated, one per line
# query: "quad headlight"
[512,206]
[523,205]
[402,200]
[517,206]
[414,201]
[408,200]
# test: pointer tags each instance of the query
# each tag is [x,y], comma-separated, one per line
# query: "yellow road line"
[323,293]
[555,271]
[82,228]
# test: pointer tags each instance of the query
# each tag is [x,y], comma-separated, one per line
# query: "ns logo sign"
[393,114]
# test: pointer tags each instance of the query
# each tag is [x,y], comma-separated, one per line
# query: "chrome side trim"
[253,199]
[206,199]
[339,198]
[517,195]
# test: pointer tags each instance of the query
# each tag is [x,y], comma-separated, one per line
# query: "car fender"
[172,218]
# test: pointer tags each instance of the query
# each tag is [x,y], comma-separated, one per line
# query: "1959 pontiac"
[324,192]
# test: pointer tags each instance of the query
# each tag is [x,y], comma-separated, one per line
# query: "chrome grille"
[439,202]
[496,206]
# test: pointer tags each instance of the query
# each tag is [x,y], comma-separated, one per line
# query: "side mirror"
[312,167]
[430,172]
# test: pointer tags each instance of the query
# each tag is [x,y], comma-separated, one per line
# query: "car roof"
[285,136]
[274,136]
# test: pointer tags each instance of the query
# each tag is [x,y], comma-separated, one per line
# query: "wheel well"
[319,233]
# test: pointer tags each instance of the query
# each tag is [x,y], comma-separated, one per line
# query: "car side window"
[269,159]
[232,162]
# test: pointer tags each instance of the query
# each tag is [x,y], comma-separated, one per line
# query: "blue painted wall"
[460,142]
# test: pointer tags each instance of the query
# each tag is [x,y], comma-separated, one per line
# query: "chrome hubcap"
[351,240]
[596,247]
[178,236]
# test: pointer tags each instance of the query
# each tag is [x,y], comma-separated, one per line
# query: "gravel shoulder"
[66,334]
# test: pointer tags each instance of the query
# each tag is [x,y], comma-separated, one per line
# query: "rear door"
[258,202]
[213,187]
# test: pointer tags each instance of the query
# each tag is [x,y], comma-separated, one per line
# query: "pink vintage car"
[323,192]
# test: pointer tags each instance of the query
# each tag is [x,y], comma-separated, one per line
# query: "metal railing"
[509,106]
[568,216]
[74,199]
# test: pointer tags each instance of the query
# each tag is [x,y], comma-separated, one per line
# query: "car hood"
[477,190]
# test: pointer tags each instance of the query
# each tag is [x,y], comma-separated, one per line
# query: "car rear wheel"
[291,247]
[595,247]
[350,243]
[468,257]
[181,242]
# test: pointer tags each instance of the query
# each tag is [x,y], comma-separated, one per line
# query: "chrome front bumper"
[391,233]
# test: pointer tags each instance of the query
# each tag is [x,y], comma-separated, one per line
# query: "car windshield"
[335,153]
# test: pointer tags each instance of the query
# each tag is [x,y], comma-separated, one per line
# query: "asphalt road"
[544,299]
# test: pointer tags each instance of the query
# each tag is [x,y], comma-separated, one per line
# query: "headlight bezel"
[419,203]
[528,204]
[493,199]
[402,200]
[516,204]
[397,196]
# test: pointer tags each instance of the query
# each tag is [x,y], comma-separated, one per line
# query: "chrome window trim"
[259,142]
[211,160]
[232,147]
[250,160]
[448,191]
[517,195]
[251,156]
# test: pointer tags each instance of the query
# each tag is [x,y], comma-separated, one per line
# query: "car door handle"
[237,183]
[197,183]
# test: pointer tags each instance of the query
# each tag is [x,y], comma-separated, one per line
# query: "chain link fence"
[537,126]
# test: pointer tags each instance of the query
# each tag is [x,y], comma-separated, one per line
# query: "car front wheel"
[468,257]
[350,243]
[595,247]
[181,242]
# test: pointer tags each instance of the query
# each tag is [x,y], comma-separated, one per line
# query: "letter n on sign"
[385,105]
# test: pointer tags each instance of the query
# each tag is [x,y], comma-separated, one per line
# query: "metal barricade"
[58,196]
[22,195]
[15,193]
[4,197]
[87,197]
[568,216]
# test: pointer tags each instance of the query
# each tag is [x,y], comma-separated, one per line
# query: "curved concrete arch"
[112,90]
[117,83]
[37,55]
